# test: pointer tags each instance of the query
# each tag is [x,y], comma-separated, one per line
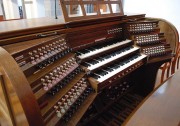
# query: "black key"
[88,63]
[85,64]
[95,76]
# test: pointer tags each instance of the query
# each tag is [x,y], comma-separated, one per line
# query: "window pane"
[91,9]
[104,8]
[115,8]
[74,10]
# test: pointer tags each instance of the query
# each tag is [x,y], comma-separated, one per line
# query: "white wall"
[11,9]
[34,8]
[31,8]
[1,13]
[19,2]
[167,9]
[40,8]
[50,8]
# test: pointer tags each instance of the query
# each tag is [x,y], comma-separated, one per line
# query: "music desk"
[161,107]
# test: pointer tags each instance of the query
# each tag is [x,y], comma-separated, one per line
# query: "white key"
[92,67]
[91,53]
[121,68]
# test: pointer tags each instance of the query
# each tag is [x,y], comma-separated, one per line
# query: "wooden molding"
[23,105]
[6,117]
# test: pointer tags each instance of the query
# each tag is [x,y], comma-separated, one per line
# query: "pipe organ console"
[92,72]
